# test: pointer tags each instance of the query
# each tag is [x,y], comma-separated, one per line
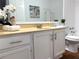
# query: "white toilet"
[72,43]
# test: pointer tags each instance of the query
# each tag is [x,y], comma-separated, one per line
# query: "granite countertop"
[32,29]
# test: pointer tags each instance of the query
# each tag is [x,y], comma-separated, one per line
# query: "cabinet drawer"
[14,40]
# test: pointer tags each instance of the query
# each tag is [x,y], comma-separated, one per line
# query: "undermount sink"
[11,28]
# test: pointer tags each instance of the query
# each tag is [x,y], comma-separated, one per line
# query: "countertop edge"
[25,30]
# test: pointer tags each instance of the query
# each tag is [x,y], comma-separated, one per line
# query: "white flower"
[4,15]
[12,8]
[1,14]
[7,9]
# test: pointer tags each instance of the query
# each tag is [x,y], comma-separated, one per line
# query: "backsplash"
[35,25]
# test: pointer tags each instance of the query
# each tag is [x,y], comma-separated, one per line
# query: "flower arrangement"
[8,9]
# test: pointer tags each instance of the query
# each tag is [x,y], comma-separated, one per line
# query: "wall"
[69,8]
[69,13]
[57,9]
[77,16]
[22,9]
[50,9]
[44,7]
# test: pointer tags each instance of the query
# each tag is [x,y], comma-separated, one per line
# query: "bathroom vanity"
[32,43]
[49,44]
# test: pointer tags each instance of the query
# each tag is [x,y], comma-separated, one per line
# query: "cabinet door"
[42,45]
[21,53]
[59,42]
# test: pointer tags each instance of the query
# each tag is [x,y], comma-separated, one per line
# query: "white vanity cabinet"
[16,46]
[43,44]
[59,42]
[20,53]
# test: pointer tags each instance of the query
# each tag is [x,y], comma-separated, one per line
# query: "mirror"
[37,10]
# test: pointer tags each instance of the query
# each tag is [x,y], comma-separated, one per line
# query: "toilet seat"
[72,43]
[72,38]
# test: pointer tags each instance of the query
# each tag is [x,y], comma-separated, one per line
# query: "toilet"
[72,43]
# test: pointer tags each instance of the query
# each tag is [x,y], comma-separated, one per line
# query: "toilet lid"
[72,38]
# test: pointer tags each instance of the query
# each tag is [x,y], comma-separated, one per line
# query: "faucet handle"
[39,26]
